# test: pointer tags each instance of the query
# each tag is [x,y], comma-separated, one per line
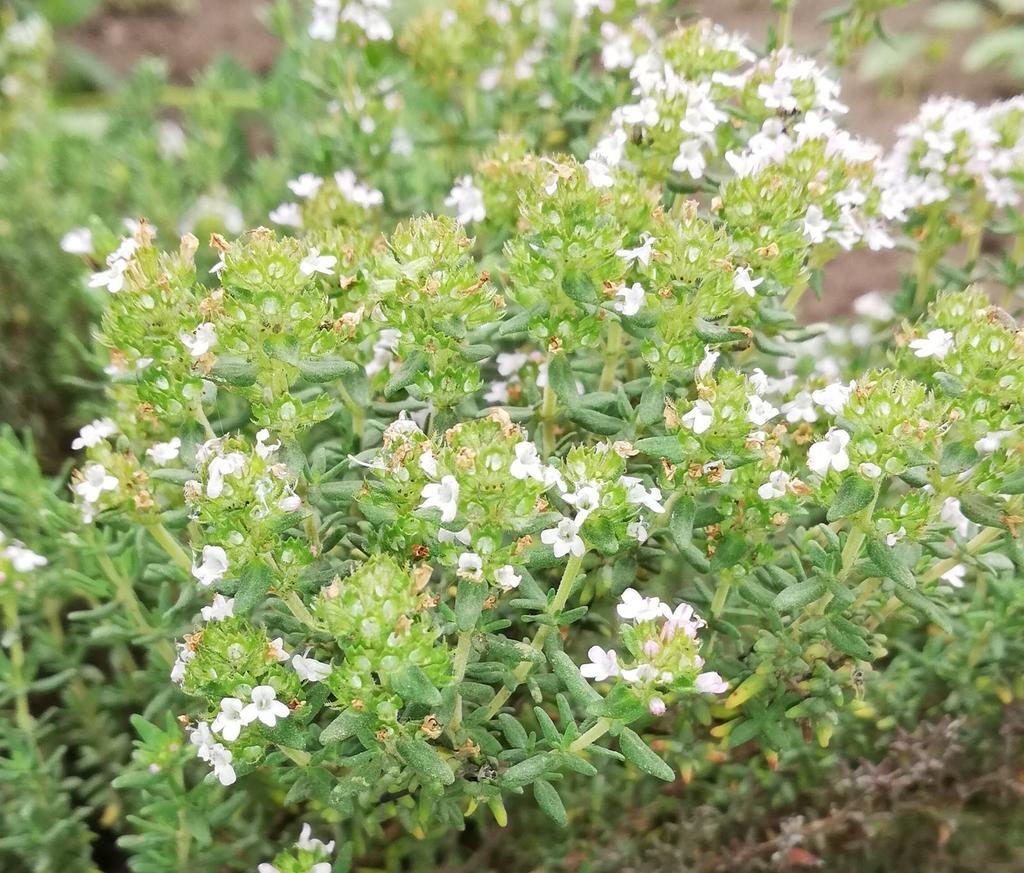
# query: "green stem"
[547,415]
[978,542]
[792,298]
[16,680]
[557,604]
[356,411]
[462,651]
[125,592]
[612,351]
[203,420]
[600,728]
[297,608]
[786,22]
[170,545]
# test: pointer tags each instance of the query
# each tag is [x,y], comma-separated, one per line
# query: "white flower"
[263,448]
[314,262]
[683,618]
[991,441]
[633,606]
[598,173]
[892,538]
[95,480]
[951,513]
[833,398]
[22,558]
[306,185]
[637,530]
[277,650]
[287,215]
[221,608]
[443,496]
[310,669]
[163,453]
[700,417]
[630,299]
[937,344]
[603,665]
[454,536]
[955,576]
[641,254]
[586,498]
[94,433]
[220,759]
[231,464]
[778,480]
[427,462]
[830,453]
[201,340]
[309,843]
[527,463]
[77,241]
[265,706]
[467,200]
[800,408]
[507,578]
[637,492]
[874,305]
[228,722]
[564,538]
[213,566]
[815,224]
[470,566]
[742,281]
[710,683]
[690,159]
[641,673]
[705,367]
[760,411]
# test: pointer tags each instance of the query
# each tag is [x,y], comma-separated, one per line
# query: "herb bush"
[441,510]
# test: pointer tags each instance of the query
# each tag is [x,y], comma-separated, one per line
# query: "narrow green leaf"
[424,760]
[549,801]
[637,752]
[885,559]
[854,494]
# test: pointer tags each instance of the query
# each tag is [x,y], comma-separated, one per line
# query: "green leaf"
[845,640]
[600,533]
[549,801]
[469,603]
[884,558]
[252,587]
[346,725]
[477,352]
[796,597]
[527,771]
[680,522]
[711,332]
[957,457]
[928,608]
[651,407]
[413,686]
[637,752]
[1013,483]
[949,384]
[854,494]
[667,447]
[730,551]
[579,289]
[329,369]
[983,509]
[233,371]
[563,382]
[406,374]
[993,48]
[581,691]
[514,732]
[424,760]
[596,422]
[621,704]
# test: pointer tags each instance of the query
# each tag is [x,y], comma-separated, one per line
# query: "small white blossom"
[265,707]
[310,669]
[955,576]
[507,578]
[228,722]
[705,367]
[633,606]
[306,186]
[263,448]
[776,486]
[94,433]
[444,496]
[830,453]
[95,480]
[287,215]
[314,262]
[815,224]
[564,538]
[937,344]
[527,464]
[77,241]
[631,299]
[201,340]
[470,566]
[642,254]
[220,759]
[603,664]
[213,567]
[710,683]
[467,200]
[700,417]
[743,281]
[221,608]
[760,410]
[163,453]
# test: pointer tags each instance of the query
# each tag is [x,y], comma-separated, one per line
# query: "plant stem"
[786,22]
[297,608]
[612,351]
[792,298]
[600,728]
[203,420]
[557,604]
[462,651]
[170,545]
[356,411]
[129,600]
[16,680]
[547,415]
